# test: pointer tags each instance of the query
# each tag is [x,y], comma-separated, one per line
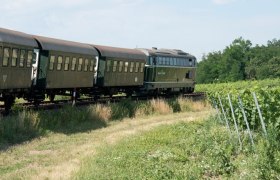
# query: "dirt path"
[58,156]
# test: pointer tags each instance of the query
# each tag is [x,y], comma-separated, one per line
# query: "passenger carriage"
[16,54]
[64,66]
[120,69]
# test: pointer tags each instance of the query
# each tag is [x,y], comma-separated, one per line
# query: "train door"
[154,69]
[35,63]
[150,69]
[42,69]
[96,70]
[101,72]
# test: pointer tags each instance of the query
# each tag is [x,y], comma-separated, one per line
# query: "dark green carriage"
[169,70]
[65,66]
[16,54]
[120,69]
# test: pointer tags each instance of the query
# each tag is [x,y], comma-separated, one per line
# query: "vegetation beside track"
[26,125]
[59,151]
[194,150]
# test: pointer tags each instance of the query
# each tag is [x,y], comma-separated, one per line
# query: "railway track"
[48,105]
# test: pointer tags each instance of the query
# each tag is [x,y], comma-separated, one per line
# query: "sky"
[195,26]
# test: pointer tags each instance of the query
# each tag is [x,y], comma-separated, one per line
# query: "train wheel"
[51,97]
[8,103]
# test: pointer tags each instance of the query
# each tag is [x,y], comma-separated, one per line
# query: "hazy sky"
[195,26]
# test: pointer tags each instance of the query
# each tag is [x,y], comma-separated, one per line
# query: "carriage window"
[91,65]
[125,66]
[15,57]
[22,58]
[108,65]
[51,62]
[115,66]
[86,65]
[74,62]
[29,58]
[66,63]
[59,63]
[80,64]
[137,67]
[131,66]
[142,67]
[6,56]
[121,66]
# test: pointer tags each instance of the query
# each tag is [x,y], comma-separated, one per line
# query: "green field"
[194,150]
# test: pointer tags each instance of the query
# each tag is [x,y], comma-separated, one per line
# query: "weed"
[160,106]
[100,112]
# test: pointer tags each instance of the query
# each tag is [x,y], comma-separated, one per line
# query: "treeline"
[240,61]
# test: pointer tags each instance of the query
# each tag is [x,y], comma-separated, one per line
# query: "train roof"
[65,46]
[166,52]
[16,37]
[107,51]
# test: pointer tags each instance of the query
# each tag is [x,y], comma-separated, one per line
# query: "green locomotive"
[168,71]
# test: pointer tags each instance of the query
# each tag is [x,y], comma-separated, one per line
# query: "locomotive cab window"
[190,62]
[6,56]
[22,58]
[59,63]
[74,62]
[86,65]
[66,63]
[171,62]
[51,66]
[150,62]
[14,57]
[80,64]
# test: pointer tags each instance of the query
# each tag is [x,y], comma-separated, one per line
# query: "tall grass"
[29,124]
[160,106]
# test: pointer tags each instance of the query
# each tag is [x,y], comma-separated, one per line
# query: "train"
[35,68]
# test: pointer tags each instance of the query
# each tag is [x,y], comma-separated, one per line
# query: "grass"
[70,135]
[195,150]
[26,125]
